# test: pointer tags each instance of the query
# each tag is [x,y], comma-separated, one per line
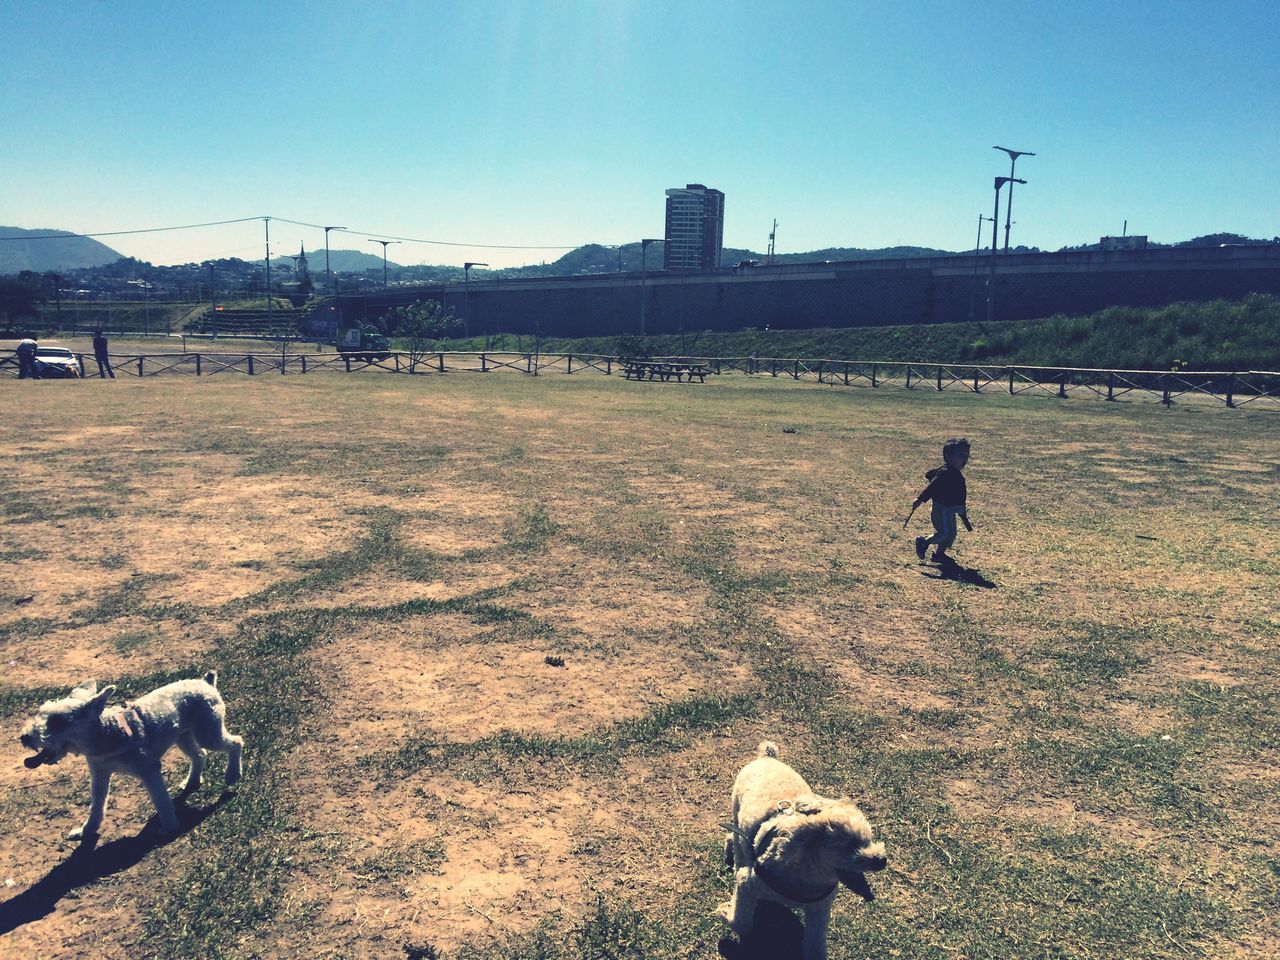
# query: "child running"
[948,492]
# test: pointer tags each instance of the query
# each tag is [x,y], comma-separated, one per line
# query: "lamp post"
[991,281]
[977,245]
[466,292]
[1008,217]
[385,244]
[644,277]
[326,256]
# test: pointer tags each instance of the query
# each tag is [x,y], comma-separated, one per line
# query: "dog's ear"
[86,688]
[870,858]
[100,700]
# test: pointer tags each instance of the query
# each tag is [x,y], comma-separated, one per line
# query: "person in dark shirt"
[27,360]
[949,494]
[102,356]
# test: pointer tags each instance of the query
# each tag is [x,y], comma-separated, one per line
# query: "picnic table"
[664,370]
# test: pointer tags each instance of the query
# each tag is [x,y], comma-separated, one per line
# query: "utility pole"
[466,292]
[772,234]
[995,220]
[977,245]
[326,256]
[1013,160]
[266,224]
[385,244]
[644,276]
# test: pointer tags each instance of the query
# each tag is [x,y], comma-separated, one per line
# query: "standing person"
[100,354]
[949,494]
[27,359]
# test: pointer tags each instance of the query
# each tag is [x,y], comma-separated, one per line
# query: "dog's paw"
[725,911]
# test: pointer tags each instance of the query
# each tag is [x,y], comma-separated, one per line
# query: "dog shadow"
[90,862]
[950,570]
[777,934]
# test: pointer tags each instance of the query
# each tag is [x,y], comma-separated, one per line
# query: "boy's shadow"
[90,862]
[948,569]
[777,934]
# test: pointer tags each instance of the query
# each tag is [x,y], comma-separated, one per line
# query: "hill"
[66,251]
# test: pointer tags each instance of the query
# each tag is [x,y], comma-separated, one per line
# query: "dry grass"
[1076,761]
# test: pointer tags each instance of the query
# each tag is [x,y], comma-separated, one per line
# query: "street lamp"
[644,276]
[991,282]
[466,291]
[977,244]
[1013,160]
[326,255]
[385,244]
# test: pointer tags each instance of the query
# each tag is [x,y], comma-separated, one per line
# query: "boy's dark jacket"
[946,487]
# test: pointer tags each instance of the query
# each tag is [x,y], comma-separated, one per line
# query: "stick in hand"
[910,515]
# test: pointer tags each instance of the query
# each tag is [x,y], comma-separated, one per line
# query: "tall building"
[695,228]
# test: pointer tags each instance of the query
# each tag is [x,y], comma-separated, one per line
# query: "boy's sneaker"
[921,543]
[940,557]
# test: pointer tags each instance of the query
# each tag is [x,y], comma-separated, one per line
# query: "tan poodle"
[791,846]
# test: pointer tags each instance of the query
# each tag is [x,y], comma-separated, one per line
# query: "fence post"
[1231,390]
[528,363]
[875,371]
[484,363]
[440,362]
[1165,399]
[1111,384]
[251,364]
[197,364]
[717,366]
[1011,369]
[846,373]
[796,373]
[773,364]
[939,379]
[975,380]
[908,376]
[397,356]
[569,366]
[304,363]
[139,366]
[347,360]
[1062,385]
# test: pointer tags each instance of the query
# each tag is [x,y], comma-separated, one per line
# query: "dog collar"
[787,894]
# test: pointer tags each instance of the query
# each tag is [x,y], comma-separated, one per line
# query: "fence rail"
[1234,388]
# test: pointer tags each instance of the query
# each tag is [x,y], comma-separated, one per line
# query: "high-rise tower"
[695,228]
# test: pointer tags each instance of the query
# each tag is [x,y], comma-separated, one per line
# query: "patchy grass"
[1077,759]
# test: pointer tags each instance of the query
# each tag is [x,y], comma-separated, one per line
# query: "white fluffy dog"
[791,846]
[133,739]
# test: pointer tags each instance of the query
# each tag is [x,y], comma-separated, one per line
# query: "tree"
[19,298]
[421,324]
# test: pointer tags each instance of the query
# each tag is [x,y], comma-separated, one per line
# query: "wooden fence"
[1235,388]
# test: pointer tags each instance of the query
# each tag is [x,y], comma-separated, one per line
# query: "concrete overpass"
[840,294]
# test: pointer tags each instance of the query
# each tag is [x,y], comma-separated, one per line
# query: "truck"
[356,344]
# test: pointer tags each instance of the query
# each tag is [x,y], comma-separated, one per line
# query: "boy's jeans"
[944,525]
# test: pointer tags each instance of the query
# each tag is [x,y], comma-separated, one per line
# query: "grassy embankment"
[1218,335]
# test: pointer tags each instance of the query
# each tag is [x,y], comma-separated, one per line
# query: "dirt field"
[498,645]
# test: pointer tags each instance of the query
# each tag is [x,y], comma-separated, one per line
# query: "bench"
[663,370]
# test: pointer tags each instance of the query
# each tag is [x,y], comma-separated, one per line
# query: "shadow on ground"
[89,863]
[950,570]
[778,934]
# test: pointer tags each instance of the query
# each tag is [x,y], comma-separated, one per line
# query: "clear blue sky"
[551,122]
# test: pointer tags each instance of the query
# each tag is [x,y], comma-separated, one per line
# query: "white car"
[57,362]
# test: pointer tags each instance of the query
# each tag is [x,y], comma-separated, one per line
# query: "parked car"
[54,363]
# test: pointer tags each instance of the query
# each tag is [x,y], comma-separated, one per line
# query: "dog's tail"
[767,748]
[211,678]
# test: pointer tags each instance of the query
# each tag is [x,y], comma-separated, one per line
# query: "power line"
[297,223]
[438,243]
[120,233]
